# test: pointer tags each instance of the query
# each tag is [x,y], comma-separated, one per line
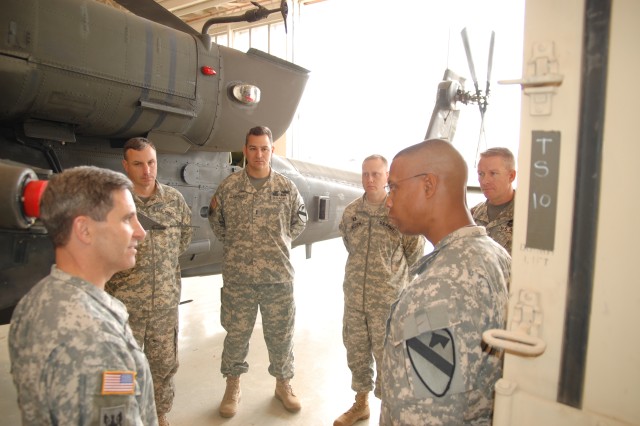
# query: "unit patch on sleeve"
[433,358]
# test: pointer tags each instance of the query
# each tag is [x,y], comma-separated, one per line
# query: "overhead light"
[246,94]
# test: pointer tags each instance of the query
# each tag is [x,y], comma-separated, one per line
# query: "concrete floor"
[322,378]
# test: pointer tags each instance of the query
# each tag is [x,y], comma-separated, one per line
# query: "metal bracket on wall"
[542,78]
[527,315]
[522,338]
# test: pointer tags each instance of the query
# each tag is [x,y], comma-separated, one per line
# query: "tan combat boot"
[231,398]
[359,411]
[284,393]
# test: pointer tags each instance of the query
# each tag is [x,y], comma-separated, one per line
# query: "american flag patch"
[118,382]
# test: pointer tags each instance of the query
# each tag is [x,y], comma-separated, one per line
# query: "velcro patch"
[118,382]
[302,213]
[112,416]
[433,358]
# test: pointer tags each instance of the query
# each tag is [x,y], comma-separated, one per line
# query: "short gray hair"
[505,153]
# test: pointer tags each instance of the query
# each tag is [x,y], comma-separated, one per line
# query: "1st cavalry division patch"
[433,359]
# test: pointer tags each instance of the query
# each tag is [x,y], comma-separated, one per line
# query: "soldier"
[73,357]
[151,290]
[257,213]
[436,369]
[496,173]
[376,271]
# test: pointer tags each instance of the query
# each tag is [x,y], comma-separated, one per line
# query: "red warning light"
[207,70]
[31,197]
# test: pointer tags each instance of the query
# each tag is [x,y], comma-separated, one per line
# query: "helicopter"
[79,78]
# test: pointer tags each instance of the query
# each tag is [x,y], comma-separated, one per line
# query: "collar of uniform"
[248,187]
[111,303]
[157,193]
[381,209]
[464,232]
[460,233]
[510,204]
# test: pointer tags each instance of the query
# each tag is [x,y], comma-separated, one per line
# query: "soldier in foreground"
[151,290]
[496,173]
[377,269]
[257,213]
[436,369]
[73,357]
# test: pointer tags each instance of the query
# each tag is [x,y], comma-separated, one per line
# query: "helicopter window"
[323,208]
[260,38]
[278,40]
[222,39]
[242,40]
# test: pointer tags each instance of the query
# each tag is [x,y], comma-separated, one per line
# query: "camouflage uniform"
[436,369]
[66,337]
[257,228]
[501,228]
[151,290]
[376,271]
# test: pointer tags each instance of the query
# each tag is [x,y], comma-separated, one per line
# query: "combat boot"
[358,411]
[285,394]
[231,398]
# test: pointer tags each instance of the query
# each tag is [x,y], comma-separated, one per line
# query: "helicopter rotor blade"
[467,48]
[284,8]
[490,62]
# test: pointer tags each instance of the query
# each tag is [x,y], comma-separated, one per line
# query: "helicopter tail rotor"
[490,61]
[284,9]
[480,98]
[467,49]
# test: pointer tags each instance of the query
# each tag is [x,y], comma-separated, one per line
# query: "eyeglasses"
[393,186]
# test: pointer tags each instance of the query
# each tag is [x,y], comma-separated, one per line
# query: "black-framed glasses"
[391,187]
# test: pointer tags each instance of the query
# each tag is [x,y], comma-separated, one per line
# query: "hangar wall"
[531,389]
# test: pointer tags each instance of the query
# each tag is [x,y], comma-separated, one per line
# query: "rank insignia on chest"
[118,382]
[355,225]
